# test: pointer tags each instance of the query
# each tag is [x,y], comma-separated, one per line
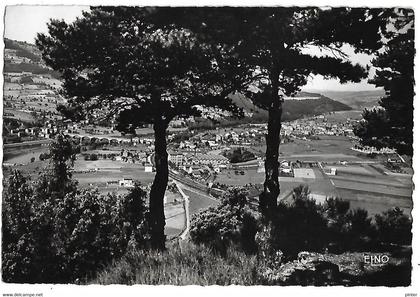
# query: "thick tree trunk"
[157,192]
[268,199]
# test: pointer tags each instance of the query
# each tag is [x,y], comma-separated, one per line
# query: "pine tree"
[391,125]
[132,64]
[273,41]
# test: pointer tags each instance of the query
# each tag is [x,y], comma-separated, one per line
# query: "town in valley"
[318,150]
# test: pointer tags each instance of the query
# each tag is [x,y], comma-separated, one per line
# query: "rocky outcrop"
[315,269]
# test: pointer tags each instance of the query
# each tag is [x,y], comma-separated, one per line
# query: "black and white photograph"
[208,145]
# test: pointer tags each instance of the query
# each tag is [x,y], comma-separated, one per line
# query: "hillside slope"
[357,100]
[30,90]
[292,108]
[24,57]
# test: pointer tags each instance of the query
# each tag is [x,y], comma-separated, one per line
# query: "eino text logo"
[376,260]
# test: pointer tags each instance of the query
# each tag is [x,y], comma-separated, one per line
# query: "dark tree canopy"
[391,125]
[274,42]
[272,39]
[137,66]
[121,61]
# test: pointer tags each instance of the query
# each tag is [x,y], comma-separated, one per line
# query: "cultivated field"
[375,203]
[334,145]
[174,214]
[19,115]
[23,155]
[229,177]
[198,201]
[360,184]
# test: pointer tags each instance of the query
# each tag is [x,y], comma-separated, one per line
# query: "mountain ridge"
[357,100]
[292,109]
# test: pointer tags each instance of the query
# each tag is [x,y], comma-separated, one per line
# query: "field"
[174,214]
[47,81]
[375,203]
[24,155]
[360,184]
[336,146]
[198,201]
[229,177]
[98,173]
[318,186]
[19,115]
[353,170]
[20,98]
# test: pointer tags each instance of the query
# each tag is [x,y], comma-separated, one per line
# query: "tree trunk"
[268,199]
[157,192]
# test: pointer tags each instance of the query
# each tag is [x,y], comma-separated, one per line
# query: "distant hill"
[293,108]
[31,88]
[23,49]
[24,57]
[357,100]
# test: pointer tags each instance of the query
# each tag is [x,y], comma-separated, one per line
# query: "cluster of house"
[124,155]
[217,139]
[317,125]
[132,156]
[125,183]
[11,57]
[286,168]
[254,134]
[91,132]
[193,163]
[181,122]
[49,131]
[372,150]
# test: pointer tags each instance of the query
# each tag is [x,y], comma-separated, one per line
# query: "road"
[196,196]
[194,201]
[26,144]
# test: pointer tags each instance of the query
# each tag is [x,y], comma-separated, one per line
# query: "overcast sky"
[23,22]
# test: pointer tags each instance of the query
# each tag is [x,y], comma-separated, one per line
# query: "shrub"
[393,226]
[305,226]
[53,232]
[44,156]
[347,229]
[239,155]
[17,218]
[299,226]
[229,222]
[51,239]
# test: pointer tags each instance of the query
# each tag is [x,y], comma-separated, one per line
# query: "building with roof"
[176,158]
[209,159]
[126,182]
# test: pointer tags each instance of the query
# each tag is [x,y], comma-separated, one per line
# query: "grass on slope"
[181,264]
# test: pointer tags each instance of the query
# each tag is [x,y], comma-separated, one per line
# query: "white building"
[209,159]
[148,168]
[126,182]
[178,159]
[331,171]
